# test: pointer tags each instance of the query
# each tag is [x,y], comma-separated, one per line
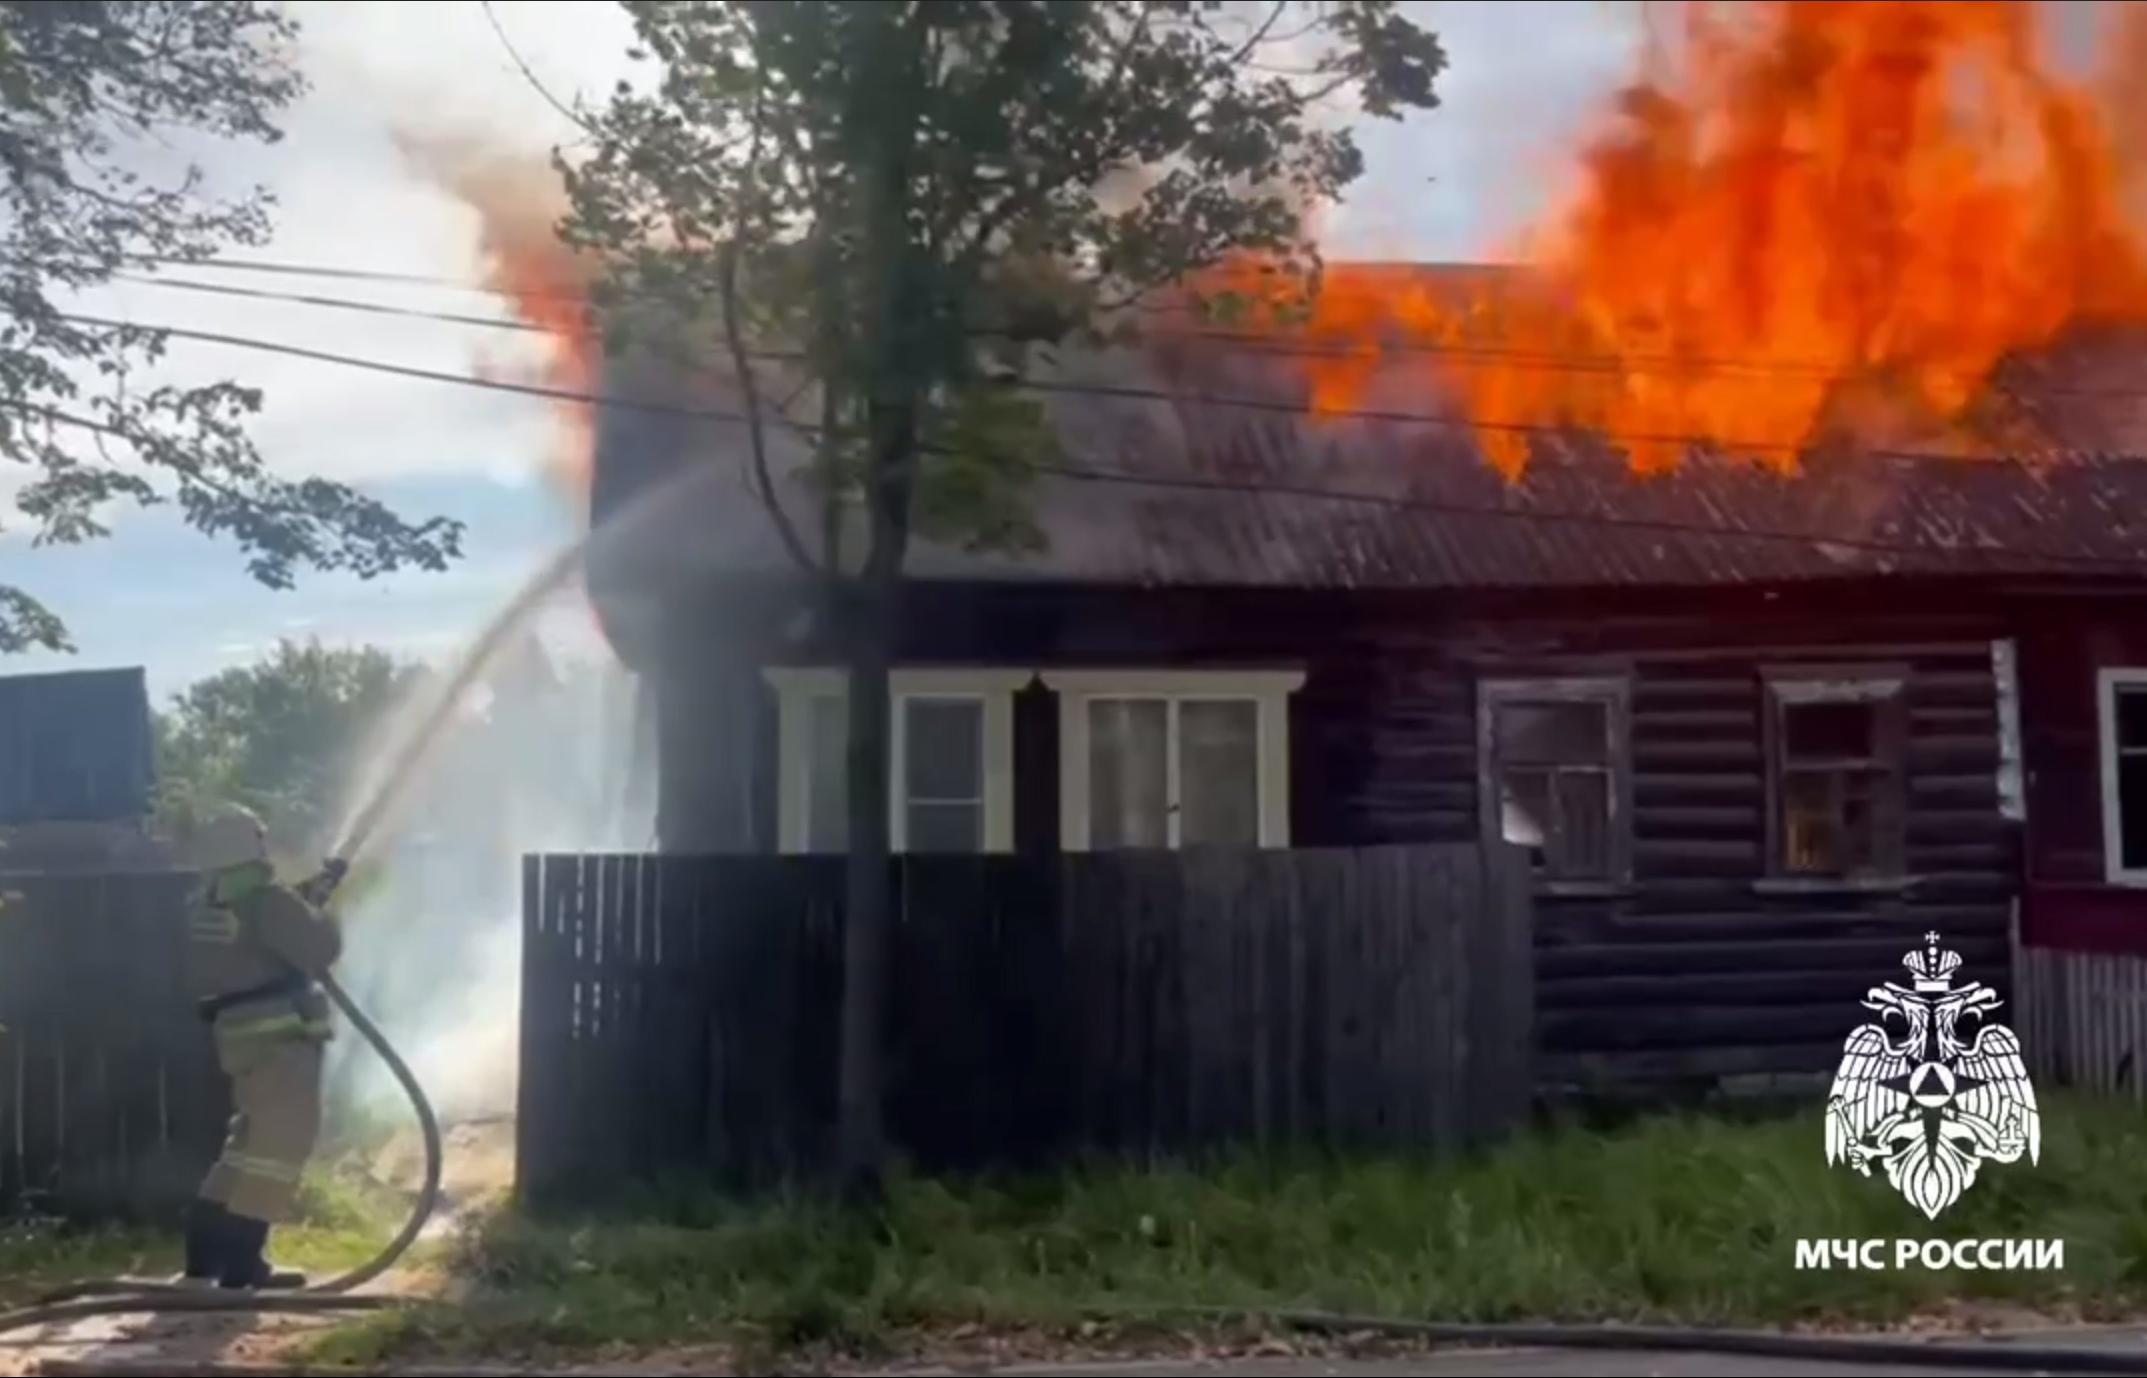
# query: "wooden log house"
[1762,731]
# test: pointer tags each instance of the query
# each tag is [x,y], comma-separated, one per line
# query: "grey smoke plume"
[541,758]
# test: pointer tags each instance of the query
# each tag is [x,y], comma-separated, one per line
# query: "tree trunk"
[892,400]
[867,902]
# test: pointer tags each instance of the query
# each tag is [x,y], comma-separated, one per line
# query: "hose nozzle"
[324,883]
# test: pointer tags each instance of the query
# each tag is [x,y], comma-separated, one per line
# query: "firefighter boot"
[208,1227]
[245,1268]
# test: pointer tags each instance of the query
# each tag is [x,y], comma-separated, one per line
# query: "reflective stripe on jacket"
[289,1024]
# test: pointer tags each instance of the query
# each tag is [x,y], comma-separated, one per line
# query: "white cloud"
[347,196]
[1522,83]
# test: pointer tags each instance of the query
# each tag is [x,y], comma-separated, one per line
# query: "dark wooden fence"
[679,1014]
[110,1102]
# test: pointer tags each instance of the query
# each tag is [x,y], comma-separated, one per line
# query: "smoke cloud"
[540,757]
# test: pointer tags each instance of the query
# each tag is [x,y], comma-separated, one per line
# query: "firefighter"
[256,951]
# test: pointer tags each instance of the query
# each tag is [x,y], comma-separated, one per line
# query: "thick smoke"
[540,758]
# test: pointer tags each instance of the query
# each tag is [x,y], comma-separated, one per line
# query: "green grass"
[1683,1218]
[341,1220]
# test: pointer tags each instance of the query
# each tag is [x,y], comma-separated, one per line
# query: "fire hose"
[122,1296]
[127,1296]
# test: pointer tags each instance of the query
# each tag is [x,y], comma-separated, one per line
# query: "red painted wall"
[2063,646]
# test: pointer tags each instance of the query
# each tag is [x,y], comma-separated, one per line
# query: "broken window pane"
[1811,823]
[827,824]
[1829,731]
[1218,773]
[1583,846]
[1525,812]
[1554,733]
[2132,810]
[1837,822]
[1128,780]
[2132,718]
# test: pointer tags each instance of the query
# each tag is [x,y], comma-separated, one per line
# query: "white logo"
[1916,1093]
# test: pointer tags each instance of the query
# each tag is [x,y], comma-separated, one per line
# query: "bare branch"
[749,385]
[530,75]
[1259,35]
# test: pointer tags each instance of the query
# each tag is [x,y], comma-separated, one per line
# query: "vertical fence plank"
[683,1013]
[97,1027]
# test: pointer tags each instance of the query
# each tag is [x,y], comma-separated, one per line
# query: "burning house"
[1760,731]
[1765,557]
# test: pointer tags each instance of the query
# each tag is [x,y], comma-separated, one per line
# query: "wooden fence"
[110,1102]
[680,1014]
[2083,1018]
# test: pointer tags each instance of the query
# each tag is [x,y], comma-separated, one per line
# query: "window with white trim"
[2123,695]
[1553,756]
[1173,758]
[951,753]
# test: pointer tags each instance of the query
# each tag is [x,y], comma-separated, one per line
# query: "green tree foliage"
[277,736]
[891,211]
[94,97]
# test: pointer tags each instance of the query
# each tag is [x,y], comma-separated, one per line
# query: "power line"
[1124,392]
[1467,423]
[333,303]
[1262,404]
[1658,524]
[528,74]
[1281,345]
[1187,482]
[406,370]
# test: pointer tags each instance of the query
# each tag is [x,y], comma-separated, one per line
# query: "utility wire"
[1281,406]
[332,303]
[1130,393]
[529,75]
[1280,344]
[1491,510]
[1187,482]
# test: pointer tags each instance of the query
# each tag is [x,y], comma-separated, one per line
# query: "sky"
[1456,182]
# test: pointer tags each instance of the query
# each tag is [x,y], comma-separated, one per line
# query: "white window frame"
[1268,690]
[797,687]
[2107,683]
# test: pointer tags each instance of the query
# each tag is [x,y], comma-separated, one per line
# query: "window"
[950,778]
[2124,775]
[943,774]
[1835,773]
[1553,759]
[1165,759]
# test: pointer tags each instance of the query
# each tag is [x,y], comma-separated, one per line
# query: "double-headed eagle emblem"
[1932,1089]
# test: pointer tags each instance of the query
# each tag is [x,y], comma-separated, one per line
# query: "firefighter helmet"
[231,836]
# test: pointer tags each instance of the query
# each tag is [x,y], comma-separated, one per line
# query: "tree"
[907,204]
[91,97]
[277,737]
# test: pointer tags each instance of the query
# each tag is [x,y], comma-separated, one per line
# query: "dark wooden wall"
[679,1014]
[110,1100]
[1695,969]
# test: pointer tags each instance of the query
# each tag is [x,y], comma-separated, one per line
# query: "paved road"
[1542,1363]
[1521,1363]
[1517,1364]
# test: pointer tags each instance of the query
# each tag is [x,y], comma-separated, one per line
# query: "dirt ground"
[477,1173]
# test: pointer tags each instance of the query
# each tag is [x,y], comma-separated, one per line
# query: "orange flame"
[518,204]
[1822,205]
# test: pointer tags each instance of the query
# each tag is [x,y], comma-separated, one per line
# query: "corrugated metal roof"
[1204,493]
[75,746]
